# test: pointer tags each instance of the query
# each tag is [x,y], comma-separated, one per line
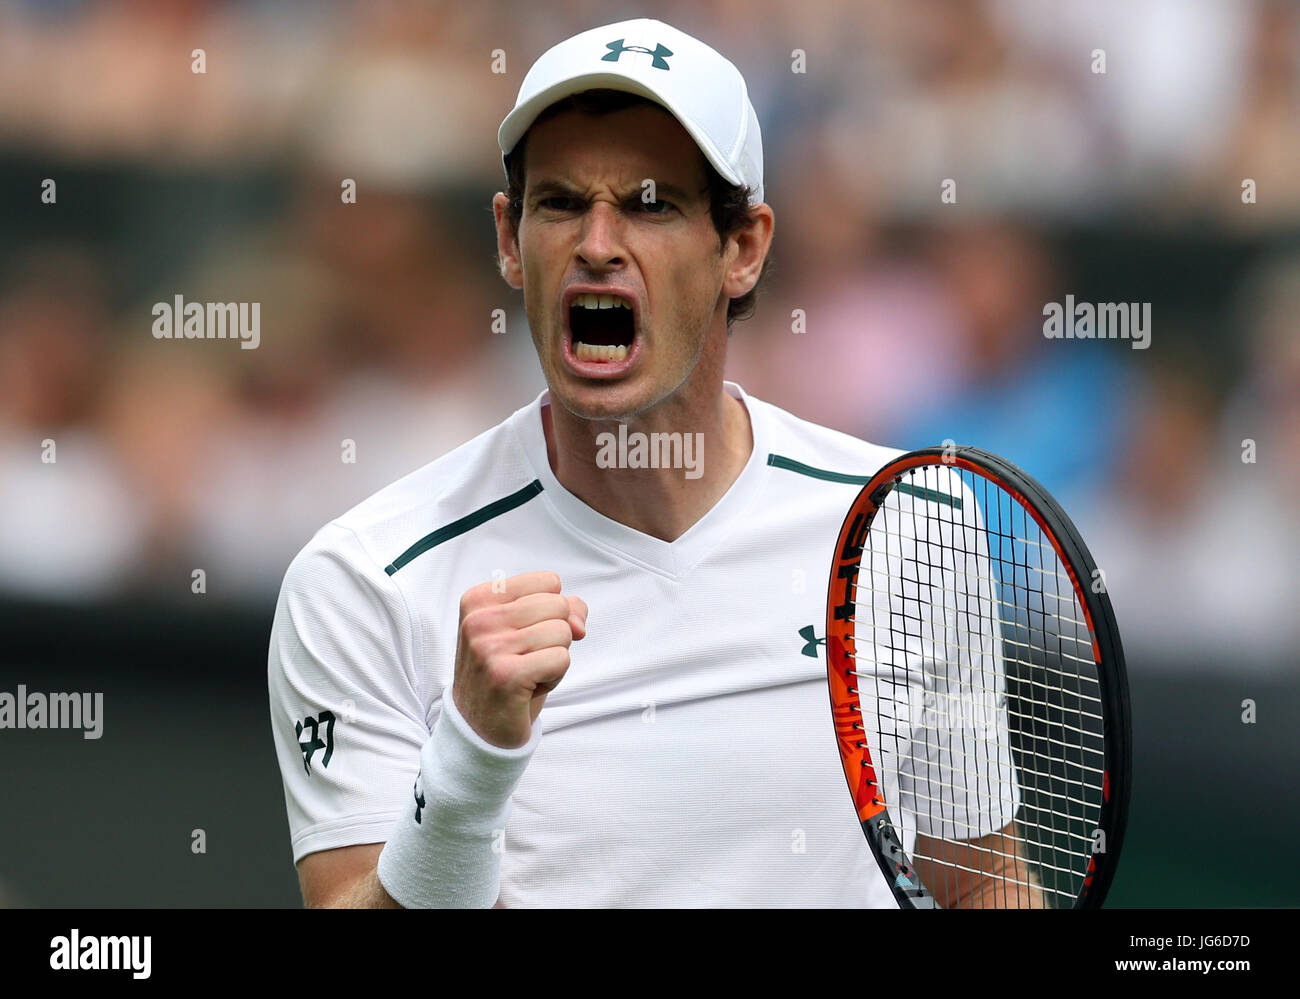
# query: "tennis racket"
[977,688]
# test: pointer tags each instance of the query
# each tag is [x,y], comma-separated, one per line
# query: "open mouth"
[602,327]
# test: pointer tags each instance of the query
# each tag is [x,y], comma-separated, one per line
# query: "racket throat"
[903,879]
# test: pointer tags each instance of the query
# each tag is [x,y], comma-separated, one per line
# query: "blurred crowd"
[923,318]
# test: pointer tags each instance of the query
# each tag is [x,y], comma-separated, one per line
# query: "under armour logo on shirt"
[809,637]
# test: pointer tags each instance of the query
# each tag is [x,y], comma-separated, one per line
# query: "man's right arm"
[512,650]
[347,705]
[344,879]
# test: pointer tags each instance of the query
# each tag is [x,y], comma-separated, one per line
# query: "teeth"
[599,351]
[590,301]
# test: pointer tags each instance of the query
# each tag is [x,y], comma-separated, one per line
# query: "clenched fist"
[513,648]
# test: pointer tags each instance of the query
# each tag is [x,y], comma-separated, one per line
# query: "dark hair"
[728,203]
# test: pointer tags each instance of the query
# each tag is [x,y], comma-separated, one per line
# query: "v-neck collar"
[671,558]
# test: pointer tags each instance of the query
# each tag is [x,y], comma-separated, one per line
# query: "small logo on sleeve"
[310,747]
[419,799]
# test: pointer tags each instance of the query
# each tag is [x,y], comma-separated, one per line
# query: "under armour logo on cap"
[617,48]
[705,92]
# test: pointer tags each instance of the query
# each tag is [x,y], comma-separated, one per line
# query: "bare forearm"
[1010,885]
[367,892]
[985,873]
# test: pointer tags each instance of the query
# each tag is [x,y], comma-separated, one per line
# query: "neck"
[705,443]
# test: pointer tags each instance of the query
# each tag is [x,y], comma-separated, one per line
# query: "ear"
[507,243]
[747,249]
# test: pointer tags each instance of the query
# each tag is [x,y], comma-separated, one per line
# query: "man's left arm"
[983,873]
[988,871]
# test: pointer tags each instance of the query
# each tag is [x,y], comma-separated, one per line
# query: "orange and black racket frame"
[859,767]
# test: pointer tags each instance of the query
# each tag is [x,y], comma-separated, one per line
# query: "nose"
[601,247]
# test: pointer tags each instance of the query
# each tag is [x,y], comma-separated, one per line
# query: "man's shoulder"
[482,471]
[820,453]
[801,445]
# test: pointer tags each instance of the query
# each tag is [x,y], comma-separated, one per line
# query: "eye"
[656,207]
[557,203]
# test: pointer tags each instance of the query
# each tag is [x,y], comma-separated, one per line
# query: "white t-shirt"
[687,757]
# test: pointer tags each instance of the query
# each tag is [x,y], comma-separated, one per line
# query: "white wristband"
[440,853]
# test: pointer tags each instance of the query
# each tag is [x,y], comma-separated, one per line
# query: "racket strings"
[1085,642]
[1048,671]
[1010,854]
[1047,688]
[1025,882]
[1026,769]
[1069,599]
[1010,736]
[1064,797]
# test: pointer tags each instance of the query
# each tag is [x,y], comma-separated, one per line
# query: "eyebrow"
[552,185]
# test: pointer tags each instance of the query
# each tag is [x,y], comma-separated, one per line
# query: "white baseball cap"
[702,90]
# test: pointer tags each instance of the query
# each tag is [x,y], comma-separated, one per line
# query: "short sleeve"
[958,776]
[347,713]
